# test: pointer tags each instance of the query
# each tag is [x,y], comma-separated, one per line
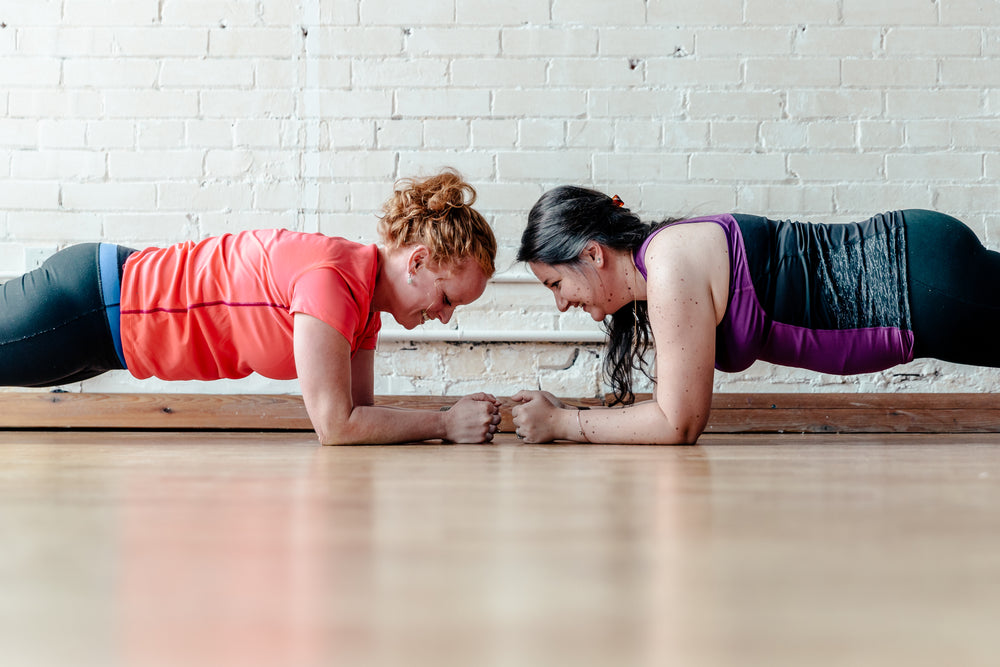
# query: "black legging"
[53,321]
[954,290]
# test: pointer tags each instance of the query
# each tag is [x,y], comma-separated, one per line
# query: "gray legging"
[54,325]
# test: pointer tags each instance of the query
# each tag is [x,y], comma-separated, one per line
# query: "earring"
[409,278]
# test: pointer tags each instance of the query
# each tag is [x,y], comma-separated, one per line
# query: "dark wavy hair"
[560,224]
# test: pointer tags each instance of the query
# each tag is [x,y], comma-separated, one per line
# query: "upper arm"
[325,370]
[686,294]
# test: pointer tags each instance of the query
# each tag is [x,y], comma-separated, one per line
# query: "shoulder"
[693,245]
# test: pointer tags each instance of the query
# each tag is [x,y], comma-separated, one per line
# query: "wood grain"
[731,413]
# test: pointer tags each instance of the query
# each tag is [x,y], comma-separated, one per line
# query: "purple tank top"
[748,332]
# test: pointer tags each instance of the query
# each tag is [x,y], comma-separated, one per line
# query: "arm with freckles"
[338,395]
[686,292]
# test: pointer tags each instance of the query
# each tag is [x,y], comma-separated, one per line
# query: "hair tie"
[617,201]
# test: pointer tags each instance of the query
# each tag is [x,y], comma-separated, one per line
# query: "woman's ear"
[417,258]
[593,252]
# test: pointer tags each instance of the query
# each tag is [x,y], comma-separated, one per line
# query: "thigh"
[954,285]
[53,324]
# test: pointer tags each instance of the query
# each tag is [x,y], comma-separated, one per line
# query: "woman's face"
[575,286]
[436,291]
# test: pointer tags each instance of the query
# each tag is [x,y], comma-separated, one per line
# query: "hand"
[474,418]
[536,418]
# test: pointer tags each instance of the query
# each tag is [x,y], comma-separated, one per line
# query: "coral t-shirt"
[224,307]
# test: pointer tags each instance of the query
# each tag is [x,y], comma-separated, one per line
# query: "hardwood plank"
[731,413]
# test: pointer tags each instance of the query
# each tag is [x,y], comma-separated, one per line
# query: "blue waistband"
[111,291]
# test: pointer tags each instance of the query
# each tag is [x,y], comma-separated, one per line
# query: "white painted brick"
[838,41]
[706,12]
[248,42]
[108,134]
[832,135]
[228,164]
[584,73]
[932,104]
[733,41]
[493,133]
[686,134]
[928,134]
[658,104]
[962,199]
[889,12]
[214,224]
[566,166]
[976,133]
[880,134]
[31,72]
[906,73]
[150,104]
[637,134]
[992,166]
[453,42]
[355,41]
[362,164]
[497,73]
[687,200]
[350,134]
[154,165]
[934,167]
[969,72]
[783,12]
[970,12]
[515,197]
[137,229]
[835,166]
[783,135]
[939,41]
[110,12]
[60,42]
[257,133]
[793,202]
[110,73]
[446,134]
[108,196]
[473,166]
[597,134]
[544,103]
[76,104]
[190,73]
[209,133]
[540,133]
[32,13]
[20,133]
[509,12]
[733,134]
[443,103]
[812,72]
[647,41]
[394,73]
[391,12]
[208,13]
[28,195]
[328,73]
[549,41]
[399,134]
[252,104]
[716,105]
[61,165]
[738,167]
[703,73]
[55,226]
[160,42]
[359,227]
[657,167]
[168,134]
[277,196]
[599,12]
[835,103]
[352,104]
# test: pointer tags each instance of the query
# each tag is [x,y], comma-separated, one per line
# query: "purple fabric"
[747,333]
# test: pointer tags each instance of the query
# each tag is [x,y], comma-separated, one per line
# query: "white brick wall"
[153,121]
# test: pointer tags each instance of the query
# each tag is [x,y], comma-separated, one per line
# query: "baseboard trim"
[731,413]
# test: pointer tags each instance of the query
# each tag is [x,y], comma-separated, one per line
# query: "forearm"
[367,424]
[641,424]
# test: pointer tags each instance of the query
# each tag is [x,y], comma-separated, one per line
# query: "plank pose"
[725,290]
[280,303]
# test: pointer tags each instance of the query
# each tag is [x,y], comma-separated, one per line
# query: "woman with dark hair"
[722,291]
[279,303]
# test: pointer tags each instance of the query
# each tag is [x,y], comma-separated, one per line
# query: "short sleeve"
[324,294]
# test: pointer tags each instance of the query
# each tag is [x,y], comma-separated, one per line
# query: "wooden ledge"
[731,413]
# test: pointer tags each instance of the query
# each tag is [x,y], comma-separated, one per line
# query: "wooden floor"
[133,549]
